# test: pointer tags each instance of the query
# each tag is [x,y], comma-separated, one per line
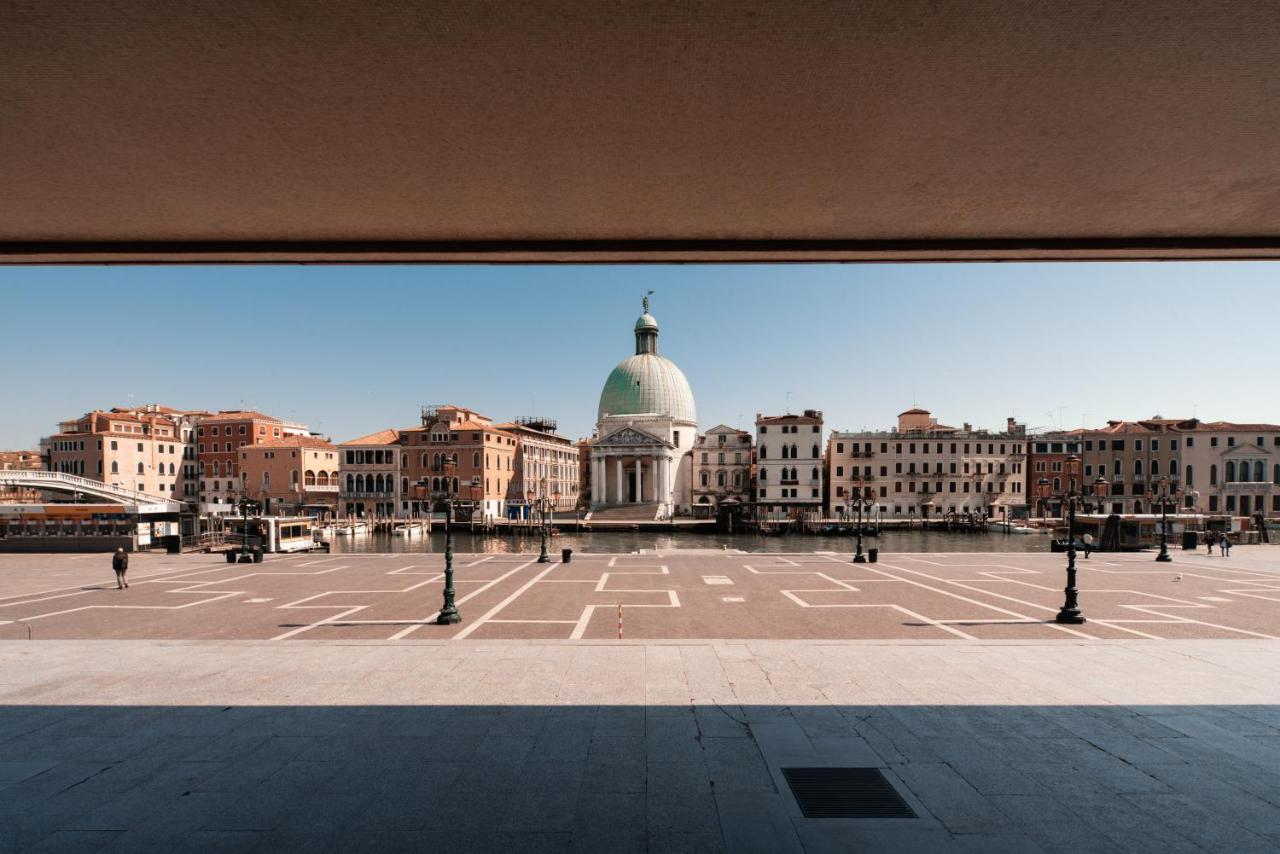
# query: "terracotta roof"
[803,419]
[383,437]
[914,411]
[239,415]
[295,442]
[1216,426]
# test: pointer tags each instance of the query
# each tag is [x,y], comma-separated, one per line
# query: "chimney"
[968,428]
[1009,424]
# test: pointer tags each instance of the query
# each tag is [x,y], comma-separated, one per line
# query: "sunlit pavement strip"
[670,595]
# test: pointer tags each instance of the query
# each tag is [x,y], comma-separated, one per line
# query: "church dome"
[646,383]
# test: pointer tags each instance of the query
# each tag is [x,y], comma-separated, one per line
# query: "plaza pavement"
[330,741]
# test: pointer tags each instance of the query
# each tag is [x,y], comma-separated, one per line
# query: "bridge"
[70,483]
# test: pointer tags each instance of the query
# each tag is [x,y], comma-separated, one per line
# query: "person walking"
[120,563]
[1208,541]
[1224,545]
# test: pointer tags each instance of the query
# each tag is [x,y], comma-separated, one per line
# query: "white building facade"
[789,465]
[645,429]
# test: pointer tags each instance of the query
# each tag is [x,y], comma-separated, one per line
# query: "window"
[1231,471]
[1231,441]
[764,428]
[1189,479]
[1213,476]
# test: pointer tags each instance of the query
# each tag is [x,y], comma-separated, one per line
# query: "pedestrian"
[120,563]
[1208,541]
[1225,546]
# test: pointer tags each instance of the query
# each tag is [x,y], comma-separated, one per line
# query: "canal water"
[623,542]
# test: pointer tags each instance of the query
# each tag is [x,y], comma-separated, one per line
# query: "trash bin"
[873,555]
[173,545]
[257,555]
[231,555]
[566,555]
[1190,539]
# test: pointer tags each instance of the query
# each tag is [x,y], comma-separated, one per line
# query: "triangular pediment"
[1245,451]
[631,437]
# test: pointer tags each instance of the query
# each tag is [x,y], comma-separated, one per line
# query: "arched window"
[1213,475]
[1173,468]
[424,459]
[815,452]
[814,473]
[475,460]
[1137,468]
[455,486]
[1231,471]
[309,478]
[795,453]
[435,484]
[1155,469]
[737,478]
[404,486]
[1259,471]
[1115,468]
[1189,472]
[293,477]
[1057,484]
[115,467]
[139,468]
[404,461]
[171,469]
[455,460]
[359,483]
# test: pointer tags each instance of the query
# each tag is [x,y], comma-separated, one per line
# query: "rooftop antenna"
[1194,408]
[788,403]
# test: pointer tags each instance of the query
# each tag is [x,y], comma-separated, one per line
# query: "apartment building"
[722,462]
[789,469]
[925,470]
[482,454]
[147,449]
[1047,455]
[373,482]
[1132,456]
[584,472]
[219,438]
[20,461]
[1232,468]
[546,463]
[290,474]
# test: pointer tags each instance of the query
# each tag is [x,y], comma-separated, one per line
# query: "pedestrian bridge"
[70,483]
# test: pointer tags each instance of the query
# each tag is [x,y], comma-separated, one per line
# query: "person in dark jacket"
[120,563]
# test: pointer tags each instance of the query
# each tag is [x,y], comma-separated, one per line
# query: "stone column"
[617,487]
[639,481]
[659,481]
[597,480]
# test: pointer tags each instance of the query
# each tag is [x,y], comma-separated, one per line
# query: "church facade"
[645,429]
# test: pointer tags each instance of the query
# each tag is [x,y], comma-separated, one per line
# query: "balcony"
[314,488]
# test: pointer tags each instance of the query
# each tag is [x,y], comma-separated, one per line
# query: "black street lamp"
[1100,490]
[1164,557]
[1043,492]
[245,504]
[859,557]
[1070,612]
[449,613]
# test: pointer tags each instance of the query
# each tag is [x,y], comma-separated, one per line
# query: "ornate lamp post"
[1043,492]
[1164,557]
[1100,490]
[246,503]
[449,613]
[1070,612]
[859,557]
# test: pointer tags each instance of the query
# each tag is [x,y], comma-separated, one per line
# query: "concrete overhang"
[578,130]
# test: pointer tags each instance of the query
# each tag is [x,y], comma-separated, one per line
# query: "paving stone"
[946,794]
[756,822]
[601,813]
[684,776]
[687,812]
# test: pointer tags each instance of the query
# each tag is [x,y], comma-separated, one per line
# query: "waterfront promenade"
[187,713]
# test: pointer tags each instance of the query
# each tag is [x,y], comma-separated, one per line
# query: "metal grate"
[846,793]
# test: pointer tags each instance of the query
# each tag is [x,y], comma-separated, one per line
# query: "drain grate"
[845,793]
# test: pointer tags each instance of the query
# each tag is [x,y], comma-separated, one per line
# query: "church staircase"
[626,513]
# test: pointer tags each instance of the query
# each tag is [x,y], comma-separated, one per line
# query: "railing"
[311,487]
[23,477]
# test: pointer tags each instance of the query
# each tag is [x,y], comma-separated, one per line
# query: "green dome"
[646,321]
[647,384]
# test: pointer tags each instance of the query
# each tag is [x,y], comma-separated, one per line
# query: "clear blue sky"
[350,350]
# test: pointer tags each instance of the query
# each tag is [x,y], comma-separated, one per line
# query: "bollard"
[619,622]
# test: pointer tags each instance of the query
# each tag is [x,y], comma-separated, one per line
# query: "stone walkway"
[1067,745]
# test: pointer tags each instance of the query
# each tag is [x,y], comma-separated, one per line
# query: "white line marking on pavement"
[504,603]
[404,634]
